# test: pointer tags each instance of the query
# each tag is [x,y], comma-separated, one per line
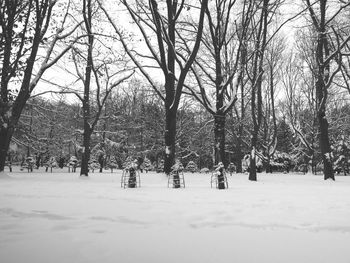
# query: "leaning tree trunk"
[5,139]
[219,135]
[8,126]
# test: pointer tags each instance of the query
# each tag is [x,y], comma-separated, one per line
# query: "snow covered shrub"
[191,167]
[147,165]
[112,163]
[160,166]
[29,163]
[220,176]
[178,166]
[246,163]
[72,163]
[281,162]
[204,170]
[50,163]
[231,168]
[341,156]
[93,165]
[130,162]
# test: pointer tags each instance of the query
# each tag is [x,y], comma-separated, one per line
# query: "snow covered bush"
[341,156]
[178,166]
[147,165]
[191,167]
[130,162]
[282,162]
[231,168]
[204,170]
[72,163]
[50,163]
[160,166]
[112,163]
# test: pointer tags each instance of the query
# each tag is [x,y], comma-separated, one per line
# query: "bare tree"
[94,70]
[255,75]
[322,18]
[266,12]
[274,61]
[299,84]
[162,21]
[87,14]
[25,26]
[341,30]
[217,70]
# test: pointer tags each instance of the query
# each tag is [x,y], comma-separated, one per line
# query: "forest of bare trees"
[266,82]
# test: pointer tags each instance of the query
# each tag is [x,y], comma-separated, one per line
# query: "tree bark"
[239,155]
[170,110]
[239,151]
[170,137]
[87,152]
[323,72]
[256,99]
[132,182]
[322,94]
[87,13]
[5,138]
[221,179]
[268,164]
[34,16]
[219,138]
[252,166]
[324,137]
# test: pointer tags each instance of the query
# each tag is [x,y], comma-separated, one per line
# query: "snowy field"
[61,218]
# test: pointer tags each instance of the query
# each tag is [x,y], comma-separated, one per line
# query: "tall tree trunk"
[219,138]
[322,53]
[252,167]
[268,164]
[170,136]
[256,105]
[166,55]
[87,151]
[5,139]
[325,147]
[170,110]
[270,145]
[239,154]
[7,128]
[219,117]
[87,13]
[256,99]
[39,15]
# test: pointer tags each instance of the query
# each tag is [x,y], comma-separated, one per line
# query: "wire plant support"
[219,178]
[130,178]
[176,178]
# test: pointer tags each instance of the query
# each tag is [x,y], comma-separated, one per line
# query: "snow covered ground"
[59,217]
